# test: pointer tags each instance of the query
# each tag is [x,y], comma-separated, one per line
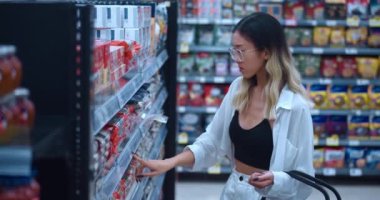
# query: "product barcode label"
[183,138]
[317,50]
[219,80]
[211,110]
[331,23]
[356,172]
[362,82]
[351,51]
[329,172]
[216,169]
[353,142]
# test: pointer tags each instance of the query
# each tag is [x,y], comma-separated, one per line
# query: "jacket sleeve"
[301,138]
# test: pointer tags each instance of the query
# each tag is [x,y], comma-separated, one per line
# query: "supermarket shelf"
[346,142]
[207,109]
[206,79]
[105,112]
[210,170]
[295,50]
[114,175]
[332,23]
[15,160]
[351,172]
[155,151]
[158,182]
[340,81]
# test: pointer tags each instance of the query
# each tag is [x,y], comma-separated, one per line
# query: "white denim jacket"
[292,143]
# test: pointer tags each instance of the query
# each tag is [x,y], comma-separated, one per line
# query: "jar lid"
[22,92]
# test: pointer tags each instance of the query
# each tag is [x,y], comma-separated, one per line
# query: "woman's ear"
[266,54]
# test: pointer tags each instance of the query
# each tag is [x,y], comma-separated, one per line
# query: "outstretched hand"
[156,167]
[261,179]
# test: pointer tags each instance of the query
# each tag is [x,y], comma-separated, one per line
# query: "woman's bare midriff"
[246,169]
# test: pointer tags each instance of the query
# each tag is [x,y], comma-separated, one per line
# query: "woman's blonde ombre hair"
[266,33]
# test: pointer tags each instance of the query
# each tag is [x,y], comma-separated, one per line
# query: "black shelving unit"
[55,44]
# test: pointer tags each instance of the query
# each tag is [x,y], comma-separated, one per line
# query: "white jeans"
[238,188]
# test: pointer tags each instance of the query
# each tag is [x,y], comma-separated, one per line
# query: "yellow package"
[374,96]
[338,97]
[318,94]
[321,36]
[359,97]
[367,66]
[358,127]
[318,158]
[356,36]
[337,37]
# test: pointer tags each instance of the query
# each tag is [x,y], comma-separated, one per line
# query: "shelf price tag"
[357,112]
[184,48]
[351,51]
[377,112]
[329,171]
[313,22]
[182,79]
[211,109]
[219,79]
[317,50]
[202,79]
[353,142]
[325,81]
[183,138]
[290,22]
[332,141]
[203,21]
[353,21]
[181,109]
[356,172]
[362,82]
[315,112]
[331,22]
[216,169]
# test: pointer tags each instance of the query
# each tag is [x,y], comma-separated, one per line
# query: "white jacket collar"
[286,98]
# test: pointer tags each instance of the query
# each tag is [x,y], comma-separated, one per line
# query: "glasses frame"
[237,55]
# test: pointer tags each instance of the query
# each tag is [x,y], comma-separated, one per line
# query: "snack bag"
[221,65]
[292,37]
[183,94]
[347,67]
[204,63]
[356,157]
[205,35]
[368,66]
[334,157]
[375,128]
[318,157]
[196,95]
[356,36]
[309,65]
[329,67]
[374,38]
[337,37]
[335,9]
[359,98]
[315,9]
[213,95]
[186,34]
[373,159]
[319,126]
[186,64]
[358,127]
[357,8]
[338,97]
[305,37]
[294,9]
[321,36]
[337,125]
[374,96]
[318,94]
[223,35]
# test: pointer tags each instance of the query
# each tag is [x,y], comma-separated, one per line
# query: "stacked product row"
[282,9]
[17,115]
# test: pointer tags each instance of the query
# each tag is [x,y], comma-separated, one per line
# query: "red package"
[334,157]
[183,94]
[196,94]
[213,95]
[294,10]
[315,10]
[347,67]
[329,67]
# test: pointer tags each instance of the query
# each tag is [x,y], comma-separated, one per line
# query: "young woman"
[263,125]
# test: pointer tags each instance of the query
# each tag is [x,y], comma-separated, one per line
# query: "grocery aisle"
[212,190]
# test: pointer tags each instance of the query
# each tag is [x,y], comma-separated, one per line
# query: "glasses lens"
[236,55]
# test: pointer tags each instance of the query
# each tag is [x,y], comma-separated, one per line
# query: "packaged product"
[321,36]
[190,124]
[318,94]
[186,34]
[239,10]
[337,37]
[357,8]
[186,64]
[356,36]
[318,157]
[373,159]
[329,67]
[205,35]
[274,9]
[223,35]
[374,96]
[338,97]
[196,94]
[335,9]
[334,157]
[306,37]
[337,125]
[374,7]
[358,127]
[204,63]
[374,38]
[221,65]
[294,9]
[347,67]
[375,128]
[183,94]
[367,66]
[359,98]
[315,9]
[319,125]
[292,37]
[356,157]
[214,95]
[308,65]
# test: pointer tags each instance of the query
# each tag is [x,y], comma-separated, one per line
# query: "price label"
[329,172]
[183,138]
[202,79]
[313,22]
[316,140]
[357,112]
[211,109]
[362,82]
[184,48]
[353,21]
[351,51]
[317,50]
[356,172]
[377,112]
[290,22]
[332,141]
[315,112]
[181,109]
[203,21]
[219,79]
[325,81]
[216,169]
[331,23]
[353,142]
[182,79]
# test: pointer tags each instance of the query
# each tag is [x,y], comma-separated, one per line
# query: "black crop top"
[254,146]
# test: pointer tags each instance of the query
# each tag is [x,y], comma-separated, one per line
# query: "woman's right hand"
[156,167]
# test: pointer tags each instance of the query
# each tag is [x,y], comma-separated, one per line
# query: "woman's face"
[253,61]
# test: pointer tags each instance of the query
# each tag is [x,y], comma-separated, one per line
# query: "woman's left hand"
[261,179]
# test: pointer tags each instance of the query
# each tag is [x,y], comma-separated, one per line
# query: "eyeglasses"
[237,54]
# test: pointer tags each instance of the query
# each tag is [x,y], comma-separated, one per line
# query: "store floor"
[186,190]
